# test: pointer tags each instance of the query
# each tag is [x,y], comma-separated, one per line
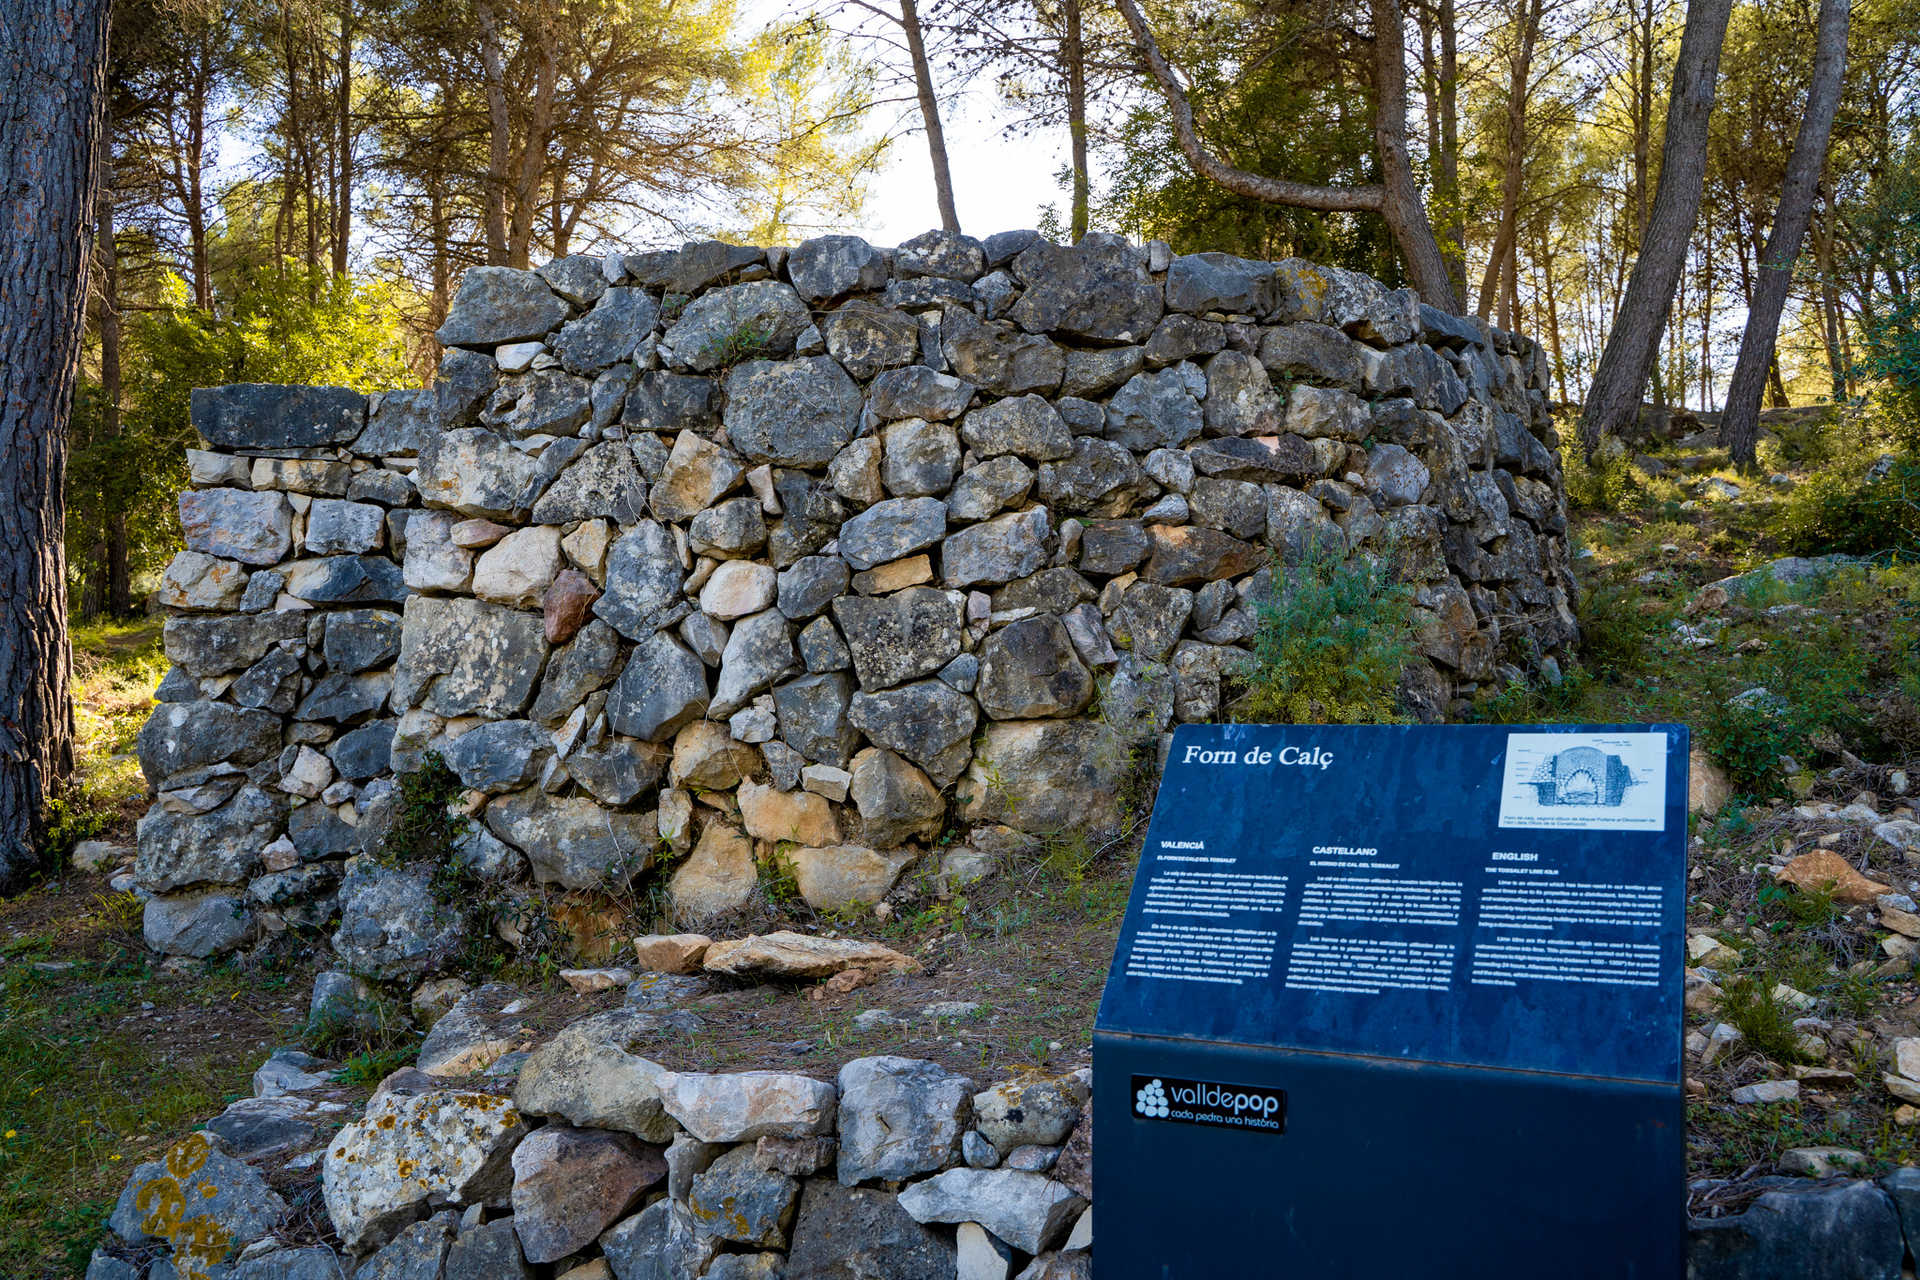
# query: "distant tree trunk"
[533,150]
[52,73]
[1634,343]
[1740,429]
[1513,168]
[929,114]
[499,133]
[198,90]
[1073,53]
[114,545]
[343,104]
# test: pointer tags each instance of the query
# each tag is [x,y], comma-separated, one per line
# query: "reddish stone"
[567,602]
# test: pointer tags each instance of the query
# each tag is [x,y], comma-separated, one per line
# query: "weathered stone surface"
[197,581]
[187,735]
[845,877]
[860,1233]
[896,801]
[899,1117]
[927,721]
[735,1199]
[778,816]
[794,413]
[499,304]
[391,925]
[738,588]
[571,1184]
[662,687]
[729,530]
[997,358]
[891,529]
[698,474]
[759,318]
[829,267]
[1037,1110]
[258,415]
[988,488]
[1241,399]
[812,717]
[433,561]
[758,652]
[361,639]
[809,585]
[865,338]
[489,1251]
[346,580]
[793,956]
[1026,425]
[609,332]
[216,645]
[196,925]
[1097,290]
[1316,412]
[1847,1230]
[1201,282]
[221,846]
[1046,775]
[500,755]
[1187,555]
[1101,478]
[603,481]
[518,569]
[743,1106]
[998,550]
[1029,669]
[899,637]
[467,657]
[234,524]
[918,391]
[574,842]
[476,473]
[920,458]
[565,605]
[199,1196]
[483,1025]
[1027,1210]
[719,876]
[409,1149]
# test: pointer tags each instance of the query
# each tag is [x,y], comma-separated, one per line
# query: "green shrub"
[1766,1024]
[1601,485]
[1331,641]
[1815,678]
[425,827]
[1838,509]
[1618,628]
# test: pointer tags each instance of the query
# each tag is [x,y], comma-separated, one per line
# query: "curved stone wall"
[801,557]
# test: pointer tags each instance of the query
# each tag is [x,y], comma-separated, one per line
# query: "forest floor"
[105,1057]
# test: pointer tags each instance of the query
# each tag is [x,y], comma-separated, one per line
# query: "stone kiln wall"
[801,555]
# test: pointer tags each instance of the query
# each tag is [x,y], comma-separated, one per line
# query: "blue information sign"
[1430,972]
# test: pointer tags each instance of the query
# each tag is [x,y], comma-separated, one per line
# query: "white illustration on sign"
[1585,781]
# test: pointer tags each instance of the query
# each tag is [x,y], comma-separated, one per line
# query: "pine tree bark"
[1613,400]
[1740,428]
[1073,53]
[52,76]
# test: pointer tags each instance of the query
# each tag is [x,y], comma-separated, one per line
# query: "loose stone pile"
[754,554]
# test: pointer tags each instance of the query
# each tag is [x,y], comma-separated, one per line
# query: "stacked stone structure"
[799,559]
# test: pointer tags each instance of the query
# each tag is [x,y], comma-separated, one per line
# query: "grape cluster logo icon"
[1151,1101]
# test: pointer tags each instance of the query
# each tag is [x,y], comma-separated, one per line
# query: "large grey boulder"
[467,657]
[546,402]
[1044,776]
[214,646]
[997,358]
[1314,352]
[495,305]
[1201,282]
[1097,290]
[259,415]
[812,716]
[1846,1231]
[602,482]
[1241,400]
[866,338]
[990,487]
[1029,669]
[197,925]
[996,551]
[361,639]
[918,391]
[1158,410]
[1025,425]
[643,582]
[1027,1210]
[412,1149]
[186,735]
[927,721]
[572,841]
[608,333]
[810,584]
[920,458]
[231,1196]
[760,318]
[662,687]
[221,846]
[500,755]
[897,802]
[829,267]
[236,524]
[759,651]
[743,1106]
[739,1200]
[391,924]
[899,637]
[862,1233]
[891,529]
[899,1117]
[1100,479]
[346,580]
[590,1074]
[476,472]
[791,413]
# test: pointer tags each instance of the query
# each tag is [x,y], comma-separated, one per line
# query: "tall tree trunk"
[1073,52]
[1513,166]
[929,113]
[1614,398]
[343,123]
[532,166]
[1446,171]
[1544,255]
[1740,429]
[52,74]
[119,589]
[198,91]
[499,133]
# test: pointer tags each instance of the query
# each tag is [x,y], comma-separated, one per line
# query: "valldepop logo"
[1230,1106]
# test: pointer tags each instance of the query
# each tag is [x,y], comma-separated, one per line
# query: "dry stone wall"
[801,557]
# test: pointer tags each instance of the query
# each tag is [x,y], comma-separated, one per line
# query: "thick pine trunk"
[52,68]
[1740,429]
[1073,52]
[1628,360]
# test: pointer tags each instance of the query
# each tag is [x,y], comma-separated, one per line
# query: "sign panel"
[1473,895]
